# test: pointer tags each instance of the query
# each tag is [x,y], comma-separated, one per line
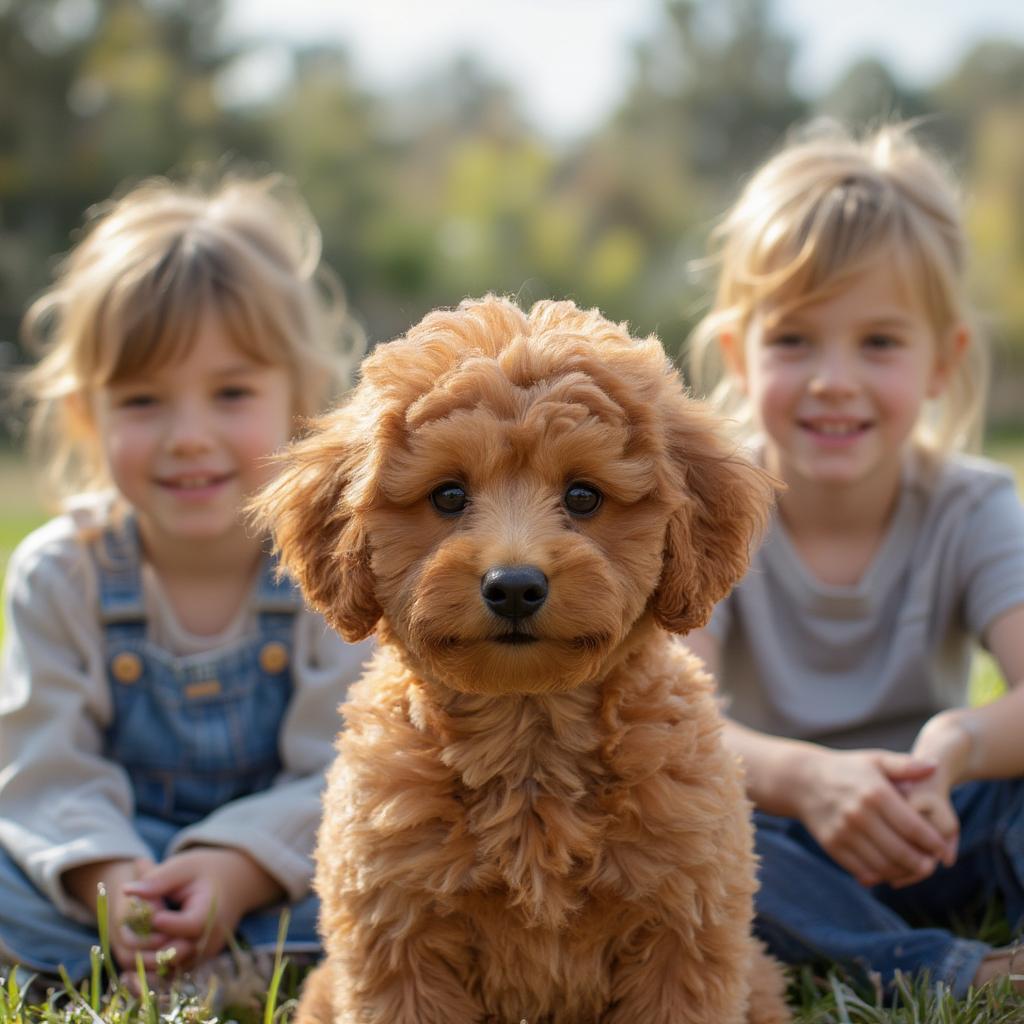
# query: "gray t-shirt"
[866,665]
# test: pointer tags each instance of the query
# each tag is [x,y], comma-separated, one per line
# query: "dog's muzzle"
[514,591]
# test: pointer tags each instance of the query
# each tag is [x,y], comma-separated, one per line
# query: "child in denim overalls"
[847,346]
[167,704]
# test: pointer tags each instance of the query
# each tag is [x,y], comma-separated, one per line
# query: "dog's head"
[511,495]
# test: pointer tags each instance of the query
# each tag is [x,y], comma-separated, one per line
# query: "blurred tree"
[989,75]
[997,213]
[711,94]
[996,219]
[723,71]
[99,92]
[324,131]
[991,72]
[444,189]
[982,104]
[467,186]
[145,87]
[39,56]
[867,94]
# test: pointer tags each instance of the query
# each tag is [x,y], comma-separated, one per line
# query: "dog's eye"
[449,499]
[582,499]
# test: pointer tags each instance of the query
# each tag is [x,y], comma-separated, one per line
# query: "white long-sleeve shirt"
[62,802]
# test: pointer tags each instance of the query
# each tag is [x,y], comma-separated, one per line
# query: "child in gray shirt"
[842,340]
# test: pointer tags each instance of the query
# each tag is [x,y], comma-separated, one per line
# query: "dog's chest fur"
[529,775]
[544,829]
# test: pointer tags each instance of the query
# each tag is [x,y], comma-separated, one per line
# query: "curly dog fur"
[548,830]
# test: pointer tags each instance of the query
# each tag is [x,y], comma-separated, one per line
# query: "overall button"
[273,657]
[126,667]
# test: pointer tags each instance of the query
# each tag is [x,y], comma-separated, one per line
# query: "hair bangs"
[258,311]
[806,258]
[150,323]
[157,317]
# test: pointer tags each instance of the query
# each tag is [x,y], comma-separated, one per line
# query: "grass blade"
[103,923]
[145,997]
[279,963]
[96,976]
[78,998]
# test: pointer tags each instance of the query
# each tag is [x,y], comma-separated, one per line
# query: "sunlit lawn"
[21,509]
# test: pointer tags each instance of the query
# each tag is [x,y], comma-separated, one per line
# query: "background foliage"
[435,193]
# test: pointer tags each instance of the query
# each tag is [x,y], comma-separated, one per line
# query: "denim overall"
[193,733]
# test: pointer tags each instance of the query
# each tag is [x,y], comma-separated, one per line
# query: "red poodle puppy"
[531,815]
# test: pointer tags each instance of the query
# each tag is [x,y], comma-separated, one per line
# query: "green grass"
[13,528]
[21,511]
[831,1001]
[815,998]
[825,996]
[104,997]
[24,999]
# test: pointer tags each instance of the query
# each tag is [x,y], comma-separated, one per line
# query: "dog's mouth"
[515,637]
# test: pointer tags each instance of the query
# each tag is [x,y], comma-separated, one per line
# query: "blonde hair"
[817,214]
[130,295]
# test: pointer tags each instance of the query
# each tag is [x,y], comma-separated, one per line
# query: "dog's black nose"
[514,591]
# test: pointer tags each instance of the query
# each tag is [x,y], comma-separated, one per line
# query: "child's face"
[188,443]
[837,386]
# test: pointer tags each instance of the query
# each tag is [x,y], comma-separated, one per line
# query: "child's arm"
[62,803]
[984,742]
[849,800]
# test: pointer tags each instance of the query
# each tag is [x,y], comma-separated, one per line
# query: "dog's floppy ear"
[318,533]
[724,501]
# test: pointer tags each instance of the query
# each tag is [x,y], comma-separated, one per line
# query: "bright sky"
[570,59]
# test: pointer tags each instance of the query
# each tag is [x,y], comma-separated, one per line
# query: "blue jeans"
[808,908]
[34,933]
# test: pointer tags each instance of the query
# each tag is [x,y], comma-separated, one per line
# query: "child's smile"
[195,486]
[835,431]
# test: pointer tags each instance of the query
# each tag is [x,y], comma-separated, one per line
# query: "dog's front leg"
[315,1005]
[657,979]
[391,972]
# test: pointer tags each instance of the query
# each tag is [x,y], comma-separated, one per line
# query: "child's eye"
[787,339]
[881,342]
[234,392]
[137,401]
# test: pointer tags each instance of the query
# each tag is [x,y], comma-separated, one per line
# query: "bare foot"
[1001,963]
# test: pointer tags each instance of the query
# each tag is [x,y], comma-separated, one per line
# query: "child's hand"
[212,889]
[125,913]
[930,798]
[946,742]
[859,815]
